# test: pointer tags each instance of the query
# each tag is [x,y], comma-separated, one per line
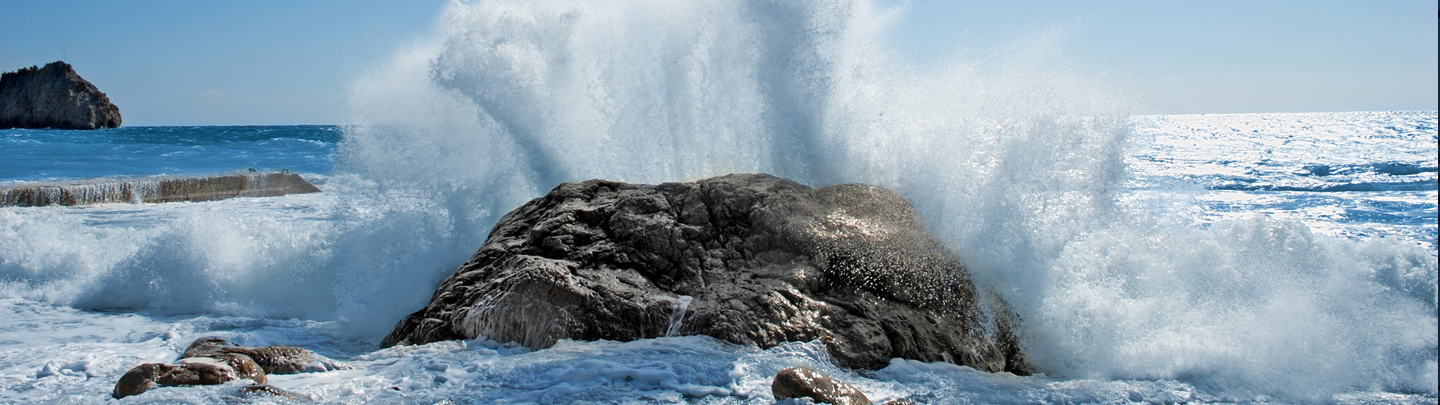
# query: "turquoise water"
[47,155]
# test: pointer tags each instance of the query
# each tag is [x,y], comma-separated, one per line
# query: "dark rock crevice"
[764,261]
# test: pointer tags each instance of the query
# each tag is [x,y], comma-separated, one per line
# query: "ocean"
[1224,258]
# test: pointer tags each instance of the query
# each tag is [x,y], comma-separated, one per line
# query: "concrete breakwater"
[156,190]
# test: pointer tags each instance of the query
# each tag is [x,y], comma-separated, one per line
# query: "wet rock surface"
[211,361]
[803,382]
[266,390]
[751,259]
[53,97]
[272,359]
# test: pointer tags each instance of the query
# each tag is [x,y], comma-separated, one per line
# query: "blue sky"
[289,62]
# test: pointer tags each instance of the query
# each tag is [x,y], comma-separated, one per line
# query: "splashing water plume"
[1019,167]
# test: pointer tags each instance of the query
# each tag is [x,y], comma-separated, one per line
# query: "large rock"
[750,259]
[53,97]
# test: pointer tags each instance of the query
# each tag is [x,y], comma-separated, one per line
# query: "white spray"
[1019,167]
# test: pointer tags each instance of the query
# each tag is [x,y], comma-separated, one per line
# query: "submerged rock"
[804,382]
[750,259]
[212,360]
[53,97]
[266,390]
[273,359]
[143,377]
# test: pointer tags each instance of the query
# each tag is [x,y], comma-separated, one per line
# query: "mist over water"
[1019,163]
[1019,168]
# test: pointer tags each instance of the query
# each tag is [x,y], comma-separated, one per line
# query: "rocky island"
[53,97]
[746,258]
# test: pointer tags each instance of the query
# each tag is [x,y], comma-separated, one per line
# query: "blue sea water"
[48,155]
[1240,258]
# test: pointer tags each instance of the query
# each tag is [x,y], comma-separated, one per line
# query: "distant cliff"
[53,97]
